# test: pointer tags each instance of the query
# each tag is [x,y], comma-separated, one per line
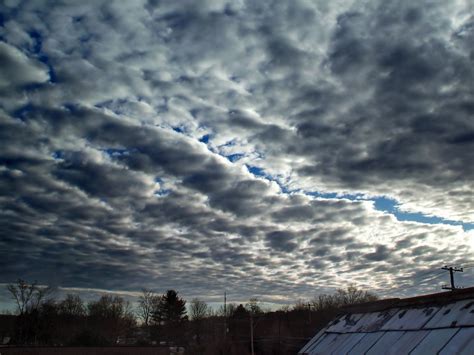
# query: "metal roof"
[441,323]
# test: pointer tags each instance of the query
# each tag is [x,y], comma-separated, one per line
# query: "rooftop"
[437,323]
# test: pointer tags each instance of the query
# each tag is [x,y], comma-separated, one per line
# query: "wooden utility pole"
[451,270]
[225,314]
[251,332]
[309,312]
[279,332]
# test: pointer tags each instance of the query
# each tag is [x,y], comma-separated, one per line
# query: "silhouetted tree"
[253,306]
[72,306]
[169,318]
[324,301]
[228,312]
[47,323]
[301,305]
[72,319]
[240,312]
[342,297]
[353,295]
[198,309]
[254,309]
[170,309]
[110,317]
[147,303]
[27,297]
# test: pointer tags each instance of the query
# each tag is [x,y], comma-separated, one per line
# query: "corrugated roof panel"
[461,343]
[419,325]
[345,323]
[414,318]
[321,346]
[312,342]
[341,339]
[434,341]
[384,343]
[365,343]
[407,342]
[371,322]
[313,345]
[330,346]
[453,314]
[351,340]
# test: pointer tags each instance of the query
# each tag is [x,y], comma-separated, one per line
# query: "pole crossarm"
[451,270]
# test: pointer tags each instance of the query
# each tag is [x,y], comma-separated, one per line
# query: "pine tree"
[170,309]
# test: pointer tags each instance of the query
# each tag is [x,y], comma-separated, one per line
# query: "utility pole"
[225,314]
[309,312]
[451,270]
[279,332]
[251,332]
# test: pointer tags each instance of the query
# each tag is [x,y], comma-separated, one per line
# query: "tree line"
[167,320]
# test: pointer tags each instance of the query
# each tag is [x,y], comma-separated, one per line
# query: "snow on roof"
[438,323]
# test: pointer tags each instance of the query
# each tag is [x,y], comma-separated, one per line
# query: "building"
[441,323]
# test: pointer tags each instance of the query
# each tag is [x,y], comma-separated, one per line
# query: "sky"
[270,149]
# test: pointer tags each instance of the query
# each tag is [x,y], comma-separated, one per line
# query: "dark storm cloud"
[169,145]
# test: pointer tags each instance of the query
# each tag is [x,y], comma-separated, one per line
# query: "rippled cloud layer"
[235,145]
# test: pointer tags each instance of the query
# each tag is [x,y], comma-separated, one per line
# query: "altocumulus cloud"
[234,145]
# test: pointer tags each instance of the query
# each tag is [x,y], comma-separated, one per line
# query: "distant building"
[441,323]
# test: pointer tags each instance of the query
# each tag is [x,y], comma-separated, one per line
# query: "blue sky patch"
[391,206]
[162,192]
[205,138]
[178,129]
[40,55]
[258,172]
[116,152]
[383,204]
[234,157]
[59,154]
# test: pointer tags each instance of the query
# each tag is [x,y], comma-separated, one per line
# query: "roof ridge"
[384,304]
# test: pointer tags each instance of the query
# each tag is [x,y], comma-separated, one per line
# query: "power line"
[418,283]
[426,272]
[430,277]
[426,280]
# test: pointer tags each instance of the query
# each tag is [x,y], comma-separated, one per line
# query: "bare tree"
[147,303]
[253,306]
[342,297]
[72,306]
[109,307]
[198,309]
[110,317]
[284,308]
[227,312]
[301,304]
[353,295]
[28,297]
[254,309]
[324,301]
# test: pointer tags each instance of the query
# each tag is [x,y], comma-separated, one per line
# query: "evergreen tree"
[170,309]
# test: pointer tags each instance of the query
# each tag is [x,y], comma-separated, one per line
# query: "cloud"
[308,110]
[18,69]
